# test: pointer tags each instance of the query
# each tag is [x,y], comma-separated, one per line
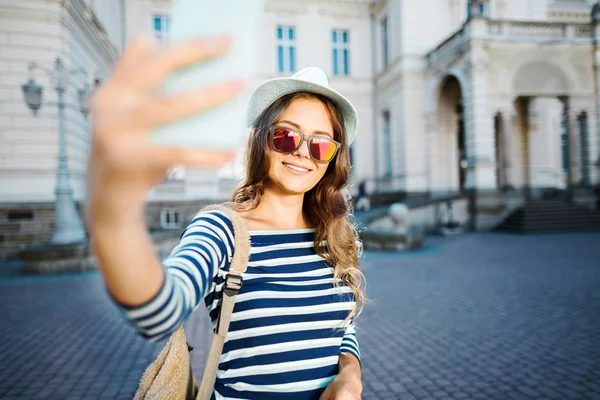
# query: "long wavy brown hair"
[327,206]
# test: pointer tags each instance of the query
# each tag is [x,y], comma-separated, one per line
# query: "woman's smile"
[296,169]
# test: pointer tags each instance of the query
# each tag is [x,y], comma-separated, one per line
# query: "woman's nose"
[303,149]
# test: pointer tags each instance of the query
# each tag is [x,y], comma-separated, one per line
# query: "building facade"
[74,45]
[486,96]
[452,95]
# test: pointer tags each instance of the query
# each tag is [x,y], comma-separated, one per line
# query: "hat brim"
[271,90]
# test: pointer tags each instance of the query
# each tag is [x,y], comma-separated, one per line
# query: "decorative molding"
[378,7]
[286,7]
[91,27]
[342,8]
[480,160]
[526,32]
[337,9]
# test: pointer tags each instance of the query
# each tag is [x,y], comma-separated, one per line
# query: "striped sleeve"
[205,247]
[349,342]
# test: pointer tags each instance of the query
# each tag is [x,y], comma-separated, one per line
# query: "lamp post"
[596,41]
[68,226]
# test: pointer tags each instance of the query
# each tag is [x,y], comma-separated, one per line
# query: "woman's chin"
[291,185]
[295,188]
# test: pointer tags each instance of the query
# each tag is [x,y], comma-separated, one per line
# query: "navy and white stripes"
[287,328]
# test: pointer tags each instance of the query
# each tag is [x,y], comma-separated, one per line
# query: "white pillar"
[431,150]
[535,144]
[569,126]
[507,118]
[480,138]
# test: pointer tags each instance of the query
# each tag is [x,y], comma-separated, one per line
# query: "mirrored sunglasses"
[321,148]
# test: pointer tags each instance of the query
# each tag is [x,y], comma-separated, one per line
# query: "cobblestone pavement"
[477,316]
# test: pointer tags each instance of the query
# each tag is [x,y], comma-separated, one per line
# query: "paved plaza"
[476,316]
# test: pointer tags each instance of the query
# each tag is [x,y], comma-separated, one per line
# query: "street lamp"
[68,226]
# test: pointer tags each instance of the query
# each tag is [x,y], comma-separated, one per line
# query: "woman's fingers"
[165,157]
[137,50]
[176,107]
[157,66]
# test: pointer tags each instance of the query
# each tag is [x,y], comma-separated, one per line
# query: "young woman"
[292,331]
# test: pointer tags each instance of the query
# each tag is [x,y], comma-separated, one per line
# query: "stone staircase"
[550,216]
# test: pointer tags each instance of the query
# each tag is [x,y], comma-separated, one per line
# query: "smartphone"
[223,127]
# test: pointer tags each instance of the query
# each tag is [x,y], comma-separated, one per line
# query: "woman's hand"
[347,384]
[342,387]
[124,165]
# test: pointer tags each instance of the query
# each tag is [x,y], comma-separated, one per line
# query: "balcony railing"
[539,32]
[513,32]
[169,190]
[448,47]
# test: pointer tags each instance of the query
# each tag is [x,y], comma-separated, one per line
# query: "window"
[170,219]
[475,9]
[286,49]
[160,26]
[387,144]
[384,42]
[341,52]
[16,215]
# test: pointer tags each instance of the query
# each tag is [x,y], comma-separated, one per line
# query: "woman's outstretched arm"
[124,164]
[203,252]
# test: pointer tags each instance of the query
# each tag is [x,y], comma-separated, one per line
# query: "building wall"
[111,14]
[40,31]
[314,22]
[402,87]
[388,96]
[28,31]
[138,14]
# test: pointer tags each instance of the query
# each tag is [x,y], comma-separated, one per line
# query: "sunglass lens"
[285,141]
[322,149]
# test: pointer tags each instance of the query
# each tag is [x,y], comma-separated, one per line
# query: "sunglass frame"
[303,138]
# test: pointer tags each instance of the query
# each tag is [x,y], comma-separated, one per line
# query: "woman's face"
[297,173]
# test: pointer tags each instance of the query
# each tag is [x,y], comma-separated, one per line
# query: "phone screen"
[223,127]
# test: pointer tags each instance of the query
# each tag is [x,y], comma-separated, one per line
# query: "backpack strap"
[231,287]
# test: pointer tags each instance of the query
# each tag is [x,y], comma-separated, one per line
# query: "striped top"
[287,328]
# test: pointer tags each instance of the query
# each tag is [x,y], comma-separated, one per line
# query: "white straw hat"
[312,80]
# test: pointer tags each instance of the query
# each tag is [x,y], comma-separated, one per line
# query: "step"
[550,227]
[550,224]
[560,210]
[558,218]
[549,230]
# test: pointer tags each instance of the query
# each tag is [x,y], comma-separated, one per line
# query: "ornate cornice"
[377,7]
[92,29]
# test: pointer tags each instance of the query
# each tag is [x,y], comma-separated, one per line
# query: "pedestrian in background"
[292,331]
[363,202]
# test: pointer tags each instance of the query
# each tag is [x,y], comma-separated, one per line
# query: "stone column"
[507,117]
[431,150]
[585,156]
[534,137]
[569,127]
[479,123]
